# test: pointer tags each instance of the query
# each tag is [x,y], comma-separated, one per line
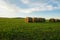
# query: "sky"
[30,8]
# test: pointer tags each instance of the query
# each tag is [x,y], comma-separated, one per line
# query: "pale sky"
[30,8]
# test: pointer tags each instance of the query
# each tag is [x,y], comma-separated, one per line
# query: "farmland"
[17,29]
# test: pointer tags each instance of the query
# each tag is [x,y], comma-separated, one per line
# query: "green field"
[17,29]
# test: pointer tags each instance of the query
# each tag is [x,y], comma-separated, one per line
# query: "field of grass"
[17,29]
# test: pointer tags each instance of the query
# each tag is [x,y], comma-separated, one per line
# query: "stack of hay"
[35,19]
[28,19]
[57,20]
[38,19]
[42,20]
[51,20]
[54,20]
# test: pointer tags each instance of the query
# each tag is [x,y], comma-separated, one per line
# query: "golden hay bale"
[52,20]
[28,19]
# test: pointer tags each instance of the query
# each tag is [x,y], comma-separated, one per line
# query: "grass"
[17,29]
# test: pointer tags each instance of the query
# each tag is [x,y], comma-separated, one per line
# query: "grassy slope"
[17,29]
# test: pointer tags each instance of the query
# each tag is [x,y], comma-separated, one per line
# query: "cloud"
[42,3]
[11,10]
[49,7]
[6,10]
[25,1]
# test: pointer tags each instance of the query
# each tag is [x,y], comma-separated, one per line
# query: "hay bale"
[52,20]
[38,19]
[28,19]
[57,20]
[41,19]
[35,19]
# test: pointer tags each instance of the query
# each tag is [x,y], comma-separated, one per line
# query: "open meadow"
[17,29]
